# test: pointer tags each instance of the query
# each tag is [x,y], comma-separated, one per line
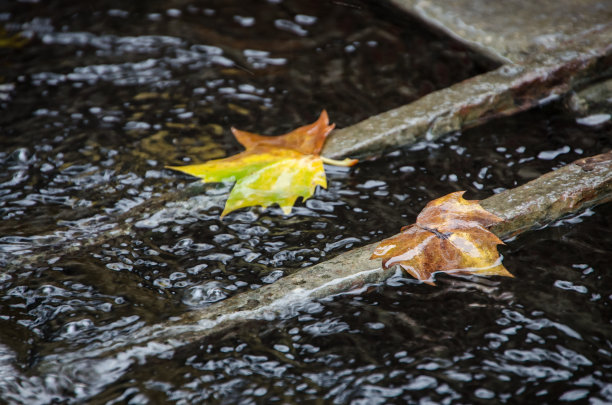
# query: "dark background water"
[102,95]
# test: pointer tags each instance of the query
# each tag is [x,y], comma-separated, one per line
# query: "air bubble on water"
[204,294]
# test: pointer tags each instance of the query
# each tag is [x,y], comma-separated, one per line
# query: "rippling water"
[96,98]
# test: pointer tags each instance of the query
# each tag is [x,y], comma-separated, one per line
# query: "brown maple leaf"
[451,236]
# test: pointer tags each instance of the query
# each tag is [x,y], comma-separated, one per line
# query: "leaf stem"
[346,162]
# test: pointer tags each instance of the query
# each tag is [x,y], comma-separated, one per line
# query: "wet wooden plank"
[579,185]
[505,91]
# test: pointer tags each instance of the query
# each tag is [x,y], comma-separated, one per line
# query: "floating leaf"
[15,41]
[451,236]
[272,169]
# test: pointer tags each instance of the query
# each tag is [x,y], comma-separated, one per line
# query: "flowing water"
[96,98]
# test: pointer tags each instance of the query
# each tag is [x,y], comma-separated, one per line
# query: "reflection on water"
[101,96]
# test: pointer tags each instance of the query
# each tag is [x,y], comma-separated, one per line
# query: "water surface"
[103,95]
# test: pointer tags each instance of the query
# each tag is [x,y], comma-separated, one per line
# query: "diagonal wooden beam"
[576,186]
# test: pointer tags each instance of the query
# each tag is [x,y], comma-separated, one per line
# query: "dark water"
[102,95]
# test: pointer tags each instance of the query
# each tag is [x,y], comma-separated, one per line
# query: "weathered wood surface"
[574,187]
[502,92]
[513,30]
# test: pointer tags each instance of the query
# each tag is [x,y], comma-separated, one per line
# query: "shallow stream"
[96,98]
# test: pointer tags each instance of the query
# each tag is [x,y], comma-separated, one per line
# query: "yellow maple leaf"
[451,236]
[272,169]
